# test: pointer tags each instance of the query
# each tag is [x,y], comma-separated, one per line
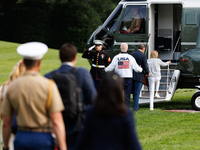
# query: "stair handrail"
[175,46]
[168,71]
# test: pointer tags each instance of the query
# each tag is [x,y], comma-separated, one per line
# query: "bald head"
[124,47]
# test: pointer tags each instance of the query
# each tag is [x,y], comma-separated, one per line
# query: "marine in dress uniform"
[100,59]
[37,104]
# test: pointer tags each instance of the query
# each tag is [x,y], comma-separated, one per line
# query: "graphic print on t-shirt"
[123,64]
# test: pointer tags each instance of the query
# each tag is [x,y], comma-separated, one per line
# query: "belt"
[98,66]
[40,129]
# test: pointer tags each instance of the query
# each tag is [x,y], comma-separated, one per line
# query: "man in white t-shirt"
[124,64]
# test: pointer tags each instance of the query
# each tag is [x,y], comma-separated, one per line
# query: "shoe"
[151,108]
[157,95]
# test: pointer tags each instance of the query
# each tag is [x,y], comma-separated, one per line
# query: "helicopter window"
[134,20]
[191,18]
[113,20]
[106,38]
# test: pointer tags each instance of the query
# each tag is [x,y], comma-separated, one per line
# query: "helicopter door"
[165,28]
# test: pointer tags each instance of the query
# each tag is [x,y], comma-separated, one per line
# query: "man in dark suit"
[68,56]
[141,60]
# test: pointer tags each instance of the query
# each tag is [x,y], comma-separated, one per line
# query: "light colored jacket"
[124,64]
[154,66]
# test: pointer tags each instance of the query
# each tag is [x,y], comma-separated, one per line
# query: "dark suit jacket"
[141,60]
[88,92]
[108,133]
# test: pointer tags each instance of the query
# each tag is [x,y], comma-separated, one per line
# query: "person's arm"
[7,121]
[135,26]
[107,60]
[89,91]
[135,30]
[135,66]
[59,129]
[48,75]
[164,63]
[87,53]
[145,65]
[111,67]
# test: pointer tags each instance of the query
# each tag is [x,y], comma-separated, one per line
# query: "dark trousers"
[25,140]
[136,94]
[127,90]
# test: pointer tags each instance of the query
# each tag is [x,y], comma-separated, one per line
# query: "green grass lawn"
[157,130]
[160,130]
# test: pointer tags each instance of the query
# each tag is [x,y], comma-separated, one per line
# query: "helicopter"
[172,27]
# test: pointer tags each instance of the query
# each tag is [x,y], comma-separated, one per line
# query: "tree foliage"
[69,24]
[53,22]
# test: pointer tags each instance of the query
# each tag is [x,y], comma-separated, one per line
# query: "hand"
[169,62]
[91,48]
[149,74]
[128,31]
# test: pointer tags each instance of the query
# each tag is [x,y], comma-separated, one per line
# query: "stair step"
[146,90]
[147,97]
[166,76]
[167,81]
[146,93]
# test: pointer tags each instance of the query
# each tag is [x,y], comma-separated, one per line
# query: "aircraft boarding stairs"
[168,83]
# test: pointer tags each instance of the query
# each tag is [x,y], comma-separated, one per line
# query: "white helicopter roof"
[186,3]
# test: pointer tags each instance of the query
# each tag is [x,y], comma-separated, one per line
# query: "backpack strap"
[80,116]
[50,94]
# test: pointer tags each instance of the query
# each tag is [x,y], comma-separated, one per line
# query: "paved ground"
[183,110]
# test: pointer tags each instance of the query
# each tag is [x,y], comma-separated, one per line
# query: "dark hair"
[141,46]
[67,52]
[30,63]
[110,101]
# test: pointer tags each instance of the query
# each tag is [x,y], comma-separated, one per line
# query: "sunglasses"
[97,44]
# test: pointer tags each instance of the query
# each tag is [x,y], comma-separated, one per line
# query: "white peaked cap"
[98,42]
[32,50]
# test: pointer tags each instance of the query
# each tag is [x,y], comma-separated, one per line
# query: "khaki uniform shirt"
[135,23]
[27,97]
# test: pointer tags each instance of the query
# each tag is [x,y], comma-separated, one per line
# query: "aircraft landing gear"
[195,101]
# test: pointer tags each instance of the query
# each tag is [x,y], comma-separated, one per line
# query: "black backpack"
[70,92]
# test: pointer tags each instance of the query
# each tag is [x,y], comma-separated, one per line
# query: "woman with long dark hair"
[109,123]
